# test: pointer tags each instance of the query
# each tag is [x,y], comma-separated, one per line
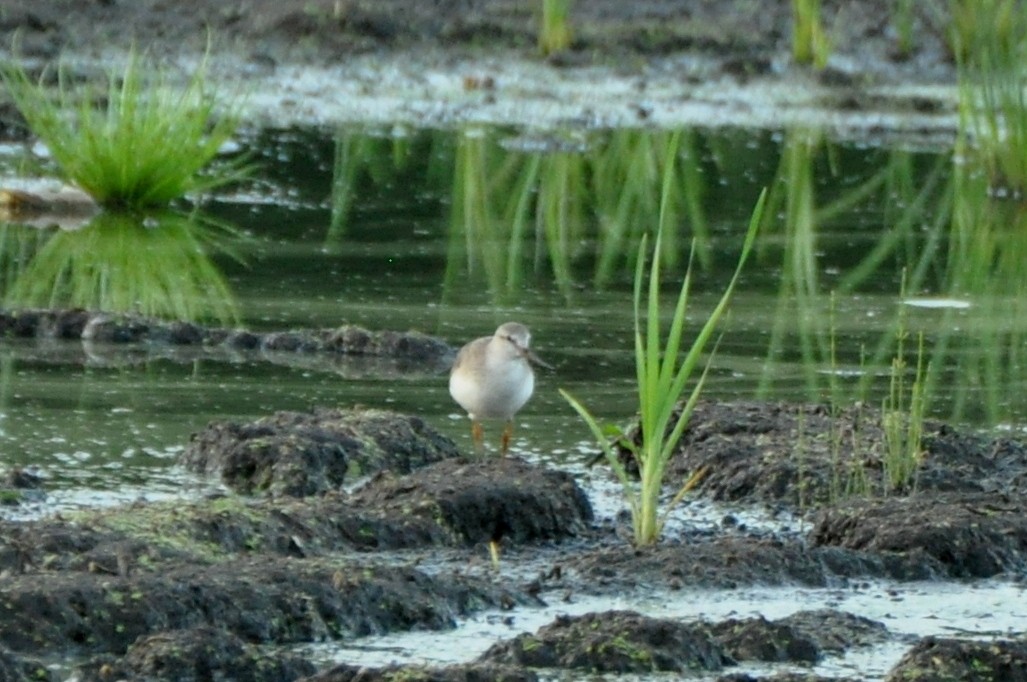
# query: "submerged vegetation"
[138,143]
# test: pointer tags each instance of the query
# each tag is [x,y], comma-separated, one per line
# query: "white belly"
[500,397]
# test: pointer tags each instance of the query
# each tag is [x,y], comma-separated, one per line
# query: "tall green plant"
[661,384]
[555,32]
[142,143]
[810,44]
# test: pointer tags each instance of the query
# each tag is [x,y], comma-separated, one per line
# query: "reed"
[661,383]
[979,28]
[810,44]
[554,30]
[140,143]
[903,20]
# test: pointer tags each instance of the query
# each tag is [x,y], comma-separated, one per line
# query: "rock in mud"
[501,499]
[615,642]
[966,535]
[194,655]
[470,672]
[297,454]
[955,660]
[18,485]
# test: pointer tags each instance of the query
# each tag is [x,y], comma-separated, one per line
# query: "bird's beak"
[536,360]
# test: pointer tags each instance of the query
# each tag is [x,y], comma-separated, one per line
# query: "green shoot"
[661,385]
[555,33]
[810,44]
[902,418]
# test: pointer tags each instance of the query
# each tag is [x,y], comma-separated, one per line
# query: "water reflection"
[849,225]
[158,265]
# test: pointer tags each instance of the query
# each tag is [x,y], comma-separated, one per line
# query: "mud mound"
[202,653]
[625,641]
[803,637]
[944,659]
[297,454]
[616,642]
[263,600]
[124,328]
[471,672]
[970,535]
[806,455]
[490,500]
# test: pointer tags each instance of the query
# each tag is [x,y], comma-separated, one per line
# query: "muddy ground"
[751,34]
[650,62]
[212,590]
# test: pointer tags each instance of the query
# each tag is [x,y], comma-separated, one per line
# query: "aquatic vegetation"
[640,178]
[140,143]
[979,28]
[810,44]
[903,21]
[554,31]
[661,383]
[902,420]
[158,268]
[993,123]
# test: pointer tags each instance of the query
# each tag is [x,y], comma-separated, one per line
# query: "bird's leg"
[477,437]
[504,444]
[494,554]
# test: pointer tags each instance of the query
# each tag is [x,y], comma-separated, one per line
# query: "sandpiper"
[492,378]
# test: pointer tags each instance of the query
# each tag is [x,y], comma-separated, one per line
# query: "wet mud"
[129,591]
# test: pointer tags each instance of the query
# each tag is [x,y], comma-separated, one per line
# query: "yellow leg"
[478,437]
[504,444]
[494,553]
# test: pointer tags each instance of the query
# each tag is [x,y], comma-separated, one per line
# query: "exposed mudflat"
[311,552]
[657,62]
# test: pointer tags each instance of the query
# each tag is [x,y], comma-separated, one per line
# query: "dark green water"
[454,232]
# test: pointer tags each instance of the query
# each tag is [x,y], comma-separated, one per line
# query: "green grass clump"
[555,32]
[810,44]
[902,420]
[661,384]
[140,143]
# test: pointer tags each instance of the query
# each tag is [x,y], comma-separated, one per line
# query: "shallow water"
[364,227]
